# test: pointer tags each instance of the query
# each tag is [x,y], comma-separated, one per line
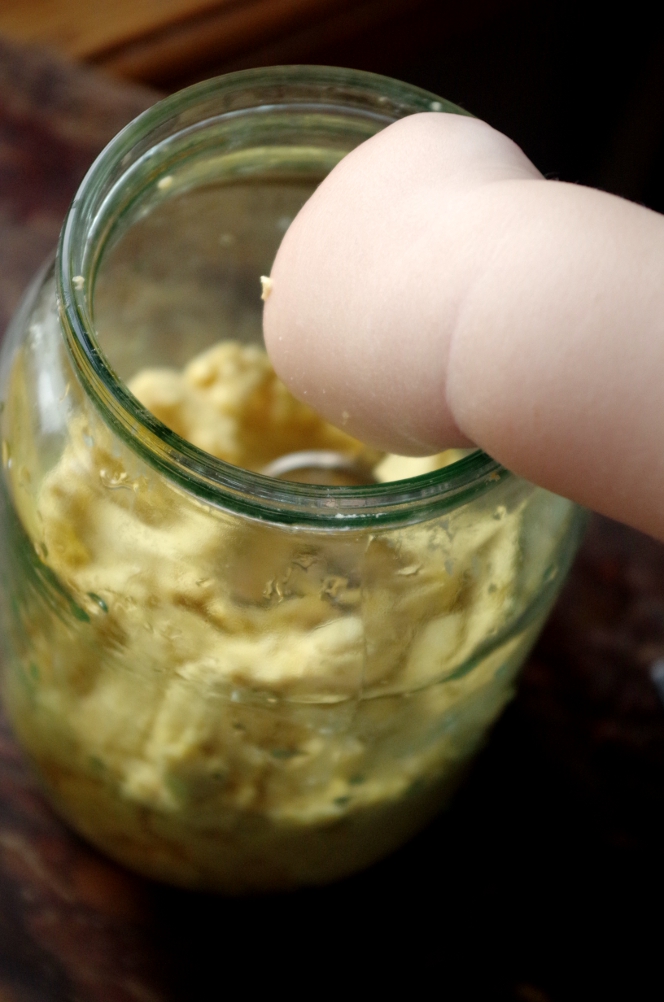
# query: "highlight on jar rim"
[246,651]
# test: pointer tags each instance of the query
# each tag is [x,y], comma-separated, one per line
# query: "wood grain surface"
[169,43]
[81,28]
[553,842]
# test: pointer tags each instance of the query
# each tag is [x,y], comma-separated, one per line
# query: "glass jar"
[224,680]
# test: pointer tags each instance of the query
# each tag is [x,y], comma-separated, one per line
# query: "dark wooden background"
[545,880]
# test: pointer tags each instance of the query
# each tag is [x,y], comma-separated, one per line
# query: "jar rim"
[212,481]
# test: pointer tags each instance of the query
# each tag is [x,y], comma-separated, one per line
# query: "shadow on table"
[544,880]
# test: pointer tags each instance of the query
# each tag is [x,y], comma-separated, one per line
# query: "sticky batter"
[224,703]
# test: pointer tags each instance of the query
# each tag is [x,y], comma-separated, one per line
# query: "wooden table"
[171,43]
[530,888]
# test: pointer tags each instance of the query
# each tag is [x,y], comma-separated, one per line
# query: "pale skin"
[437,291]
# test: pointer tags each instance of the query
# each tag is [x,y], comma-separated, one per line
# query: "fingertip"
[356,323]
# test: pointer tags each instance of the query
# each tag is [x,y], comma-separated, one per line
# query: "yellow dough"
[241,705]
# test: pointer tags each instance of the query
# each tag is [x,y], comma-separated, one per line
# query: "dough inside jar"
[229,402]
[232,691]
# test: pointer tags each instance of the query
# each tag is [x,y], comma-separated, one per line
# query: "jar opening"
[253,144]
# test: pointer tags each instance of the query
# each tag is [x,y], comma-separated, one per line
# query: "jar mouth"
[138,151]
